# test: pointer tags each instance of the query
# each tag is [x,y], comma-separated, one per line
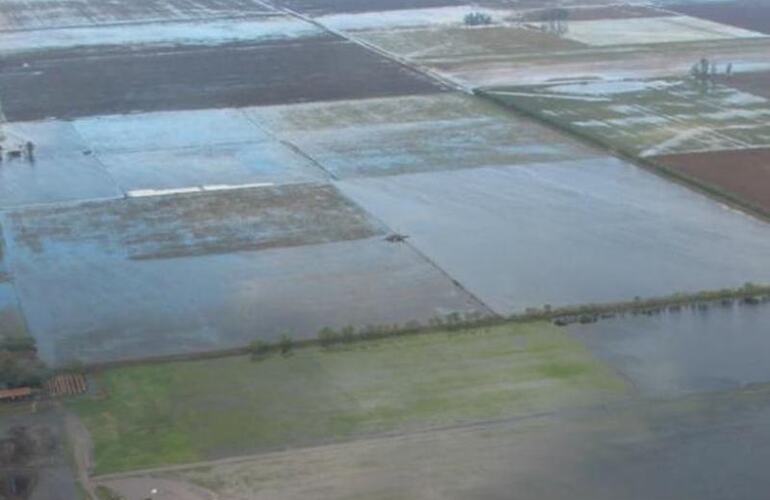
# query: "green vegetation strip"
[159,414]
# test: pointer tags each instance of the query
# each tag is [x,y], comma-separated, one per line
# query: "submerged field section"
[201,178]
[206,174]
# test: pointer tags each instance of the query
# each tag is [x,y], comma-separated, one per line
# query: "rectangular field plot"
[413,134]
[156,227]
[663,60]
[108,156]
[318,7]
[593,13]
[74,84]
[596,230]
[650,117]
[181,149]
[742,173]
[693,350]
[178,274]
[695,449]
[403,384]
[747,14]
[35,14]
[441,44]
[646,30]
[406,18]
[265,29]
[61,170]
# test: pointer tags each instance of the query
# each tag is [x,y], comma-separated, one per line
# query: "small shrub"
[286,344]
[258,349]
[477,19]
[327,337]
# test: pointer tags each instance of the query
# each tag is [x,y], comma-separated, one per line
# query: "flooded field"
[650,117]
[74,84]
[391,136]
[44,470]
[34,14]
[193,272]
[317,7]
[696,349]
[92,306]
[595,230]
[264,29]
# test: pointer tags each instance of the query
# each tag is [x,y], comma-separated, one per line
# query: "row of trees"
[19,364]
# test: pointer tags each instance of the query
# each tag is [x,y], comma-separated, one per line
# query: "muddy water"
[691,350]
[596,230]
[85,304]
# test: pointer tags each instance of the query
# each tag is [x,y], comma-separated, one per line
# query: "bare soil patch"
[68,84]
[757,83]
[743,173]
[748,14]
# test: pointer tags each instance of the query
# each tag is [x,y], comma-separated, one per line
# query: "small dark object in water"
[585,319]
[14,154]
[751,300]
[87,152]
[396,238]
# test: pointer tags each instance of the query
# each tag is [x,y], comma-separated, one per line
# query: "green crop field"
[181,412]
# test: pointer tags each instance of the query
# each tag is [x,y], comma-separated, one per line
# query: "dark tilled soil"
[754,83]
[743,173]
[77,83]
[319,7]
[748,14]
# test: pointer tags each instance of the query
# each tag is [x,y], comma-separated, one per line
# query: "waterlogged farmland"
[704,348]
[276,243]
[595,230]
[105,280]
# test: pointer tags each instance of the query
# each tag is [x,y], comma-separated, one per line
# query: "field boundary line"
[444,81]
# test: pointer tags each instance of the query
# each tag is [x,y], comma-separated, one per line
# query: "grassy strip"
[182,412]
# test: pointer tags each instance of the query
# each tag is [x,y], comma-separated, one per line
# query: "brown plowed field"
[69,84]
[750,14]
[743,173]
[757,83]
